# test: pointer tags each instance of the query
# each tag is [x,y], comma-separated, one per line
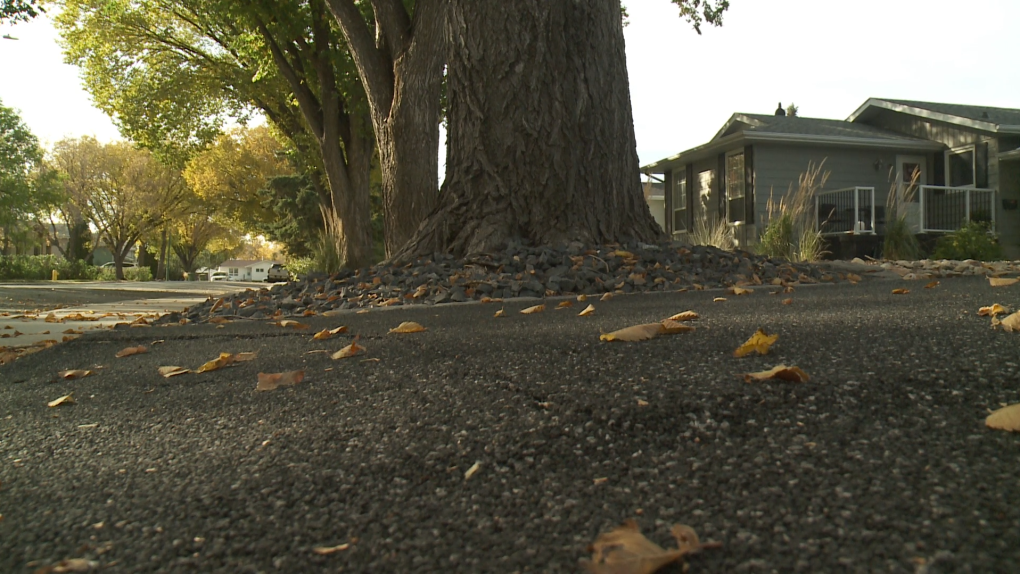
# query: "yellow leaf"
[1006,418]
[685,316]
[408,327]
[1010,324]
[349,351]
[582,298]
[500,313]
[992,311]
[670,327]
[291,323]
[635,333]
[471,471]
[624,550]
[64,400]
[168,372]
[787,301]
[589,310]
[269,382]
[74,374]
[853,277]
[128,351]
[900,291]
[216,305]
[931,285]
[1002,281]
[565,304]
[782,372]
[326,550]
[758,343]
[739,291]
[606,297]
[719,300]
[623,254]
[327,333]
[533,310]
[218,363]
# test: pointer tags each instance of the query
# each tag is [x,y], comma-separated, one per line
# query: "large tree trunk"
[540,129]
[402,72]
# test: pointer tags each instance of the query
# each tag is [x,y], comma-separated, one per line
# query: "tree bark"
[402,72]
[541,130]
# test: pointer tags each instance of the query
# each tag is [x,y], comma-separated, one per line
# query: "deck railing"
[946,209]
[847,210]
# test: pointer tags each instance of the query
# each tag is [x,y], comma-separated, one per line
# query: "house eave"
[1012,155]
[935,116]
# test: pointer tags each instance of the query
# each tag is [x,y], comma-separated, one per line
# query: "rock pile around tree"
[519,271]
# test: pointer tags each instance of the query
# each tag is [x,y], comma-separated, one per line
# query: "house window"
[705,188]
[233,270]
[679,201]
[960,167]
[735,187]
[259,270]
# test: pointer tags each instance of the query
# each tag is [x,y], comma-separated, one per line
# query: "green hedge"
[41,267]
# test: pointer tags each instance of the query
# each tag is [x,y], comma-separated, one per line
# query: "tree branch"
[374,66]
[395,23]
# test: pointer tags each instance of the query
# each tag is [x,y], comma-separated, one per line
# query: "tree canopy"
[19,10]
[24,186]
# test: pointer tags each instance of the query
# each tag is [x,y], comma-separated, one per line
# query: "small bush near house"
[716,235]
[41,267]
[972,241]
[302,266]
[791,232]
[900,241]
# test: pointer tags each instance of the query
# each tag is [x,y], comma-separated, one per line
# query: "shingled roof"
[796,125]
[986,118]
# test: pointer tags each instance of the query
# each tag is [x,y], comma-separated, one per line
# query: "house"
[966,160]
[246,270]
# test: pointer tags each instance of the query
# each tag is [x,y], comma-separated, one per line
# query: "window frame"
[972,148]
[679,197]
[742,181]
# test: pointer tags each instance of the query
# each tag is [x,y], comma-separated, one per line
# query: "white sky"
[828,57]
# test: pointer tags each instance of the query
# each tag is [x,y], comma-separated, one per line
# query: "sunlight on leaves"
[329,333]
[350,350]
[993,310]
[408,327]
[64,400]
[685,316]
[760,342]
[588,311]
[533,310]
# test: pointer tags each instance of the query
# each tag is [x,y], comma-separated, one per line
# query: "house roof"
[744,128]
[983,118]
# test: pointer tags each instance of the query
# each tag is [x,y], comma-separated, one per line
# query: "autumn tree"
[27,187]
[19,10]
[541,132]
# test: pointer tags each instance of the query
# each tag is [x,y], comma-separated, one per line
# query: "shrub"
[900,241]
[301,266]
[791,232]
[717,235]
[41,267]
[972,241]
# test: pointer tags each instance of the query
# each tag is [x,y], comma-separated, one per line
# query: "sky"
[827,57]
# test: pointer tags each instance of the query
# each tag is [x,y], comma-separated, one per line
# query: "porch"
[935,209]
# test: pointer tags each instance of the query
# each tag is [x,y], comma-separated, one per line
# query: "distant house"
[245,270]
[966,159]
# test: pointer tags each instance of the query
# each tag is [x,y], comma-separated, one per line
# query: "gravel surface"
[880,463]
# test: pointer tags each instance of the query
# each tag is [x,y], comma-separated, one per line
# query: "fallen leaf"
[782,372]
[853,277]
[606,297]
[932,285]
[670,327]
[500,313]
[1006,418]
[719,300]
[269,382]
[739,291]
[533,310]
[1010,324]
[328,333]
[645,331]
[407,327]
[582,298]
[74,374]
[471,471]
[127,352]
[600,480]
[900,291]
[291,323]
[64,400]
[168,372]
[243,357]
[326,550]
[218,363]
[993,310]
[216,305]
[642,403]
[349,351]
[758,343]
[623,254]
[685,316]
[69,565]
[1002,281]
[565,304]
[589,310]
[624,550]
[787,301]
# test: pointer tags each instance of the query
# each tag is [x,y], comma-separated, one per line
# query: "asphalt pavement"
[880,463]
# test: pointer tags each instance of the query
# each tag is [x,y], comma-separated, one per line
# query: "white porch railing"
[847,210]
[946,209]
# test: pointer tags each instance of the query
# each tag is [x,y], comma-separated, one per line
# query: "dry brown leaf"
[719,300]
[171,371]
[993,310]
[74,374]
[69,565]
[623,254]
[1006,418]
[1010,324]
[782,372]
[500,313]
[853,277]
[685,316]
[128,351]
[326,550]
[291,323]
[759,343]
[243,357]
[328,333]
[900,291]
[565,304]
[349,351]
[606,297]
[271,381]
[589,310]
[533,310]
[624,550]
[1002,281]
[218,363]
[471,471]
[739,291]
[787,301]
[635,333]
[582,298]
[407,327]
[931,285]
[216,305]
[64,400]
[670,327]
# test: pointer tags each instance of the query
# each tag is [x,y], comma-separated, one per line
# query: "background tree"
[791,110]
[541,132]
[27,188]
[193,231]
[297,220]
[19,10]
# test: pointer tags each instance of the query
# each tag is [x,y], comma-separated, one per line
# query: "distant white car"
[111,265]
[218,276]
